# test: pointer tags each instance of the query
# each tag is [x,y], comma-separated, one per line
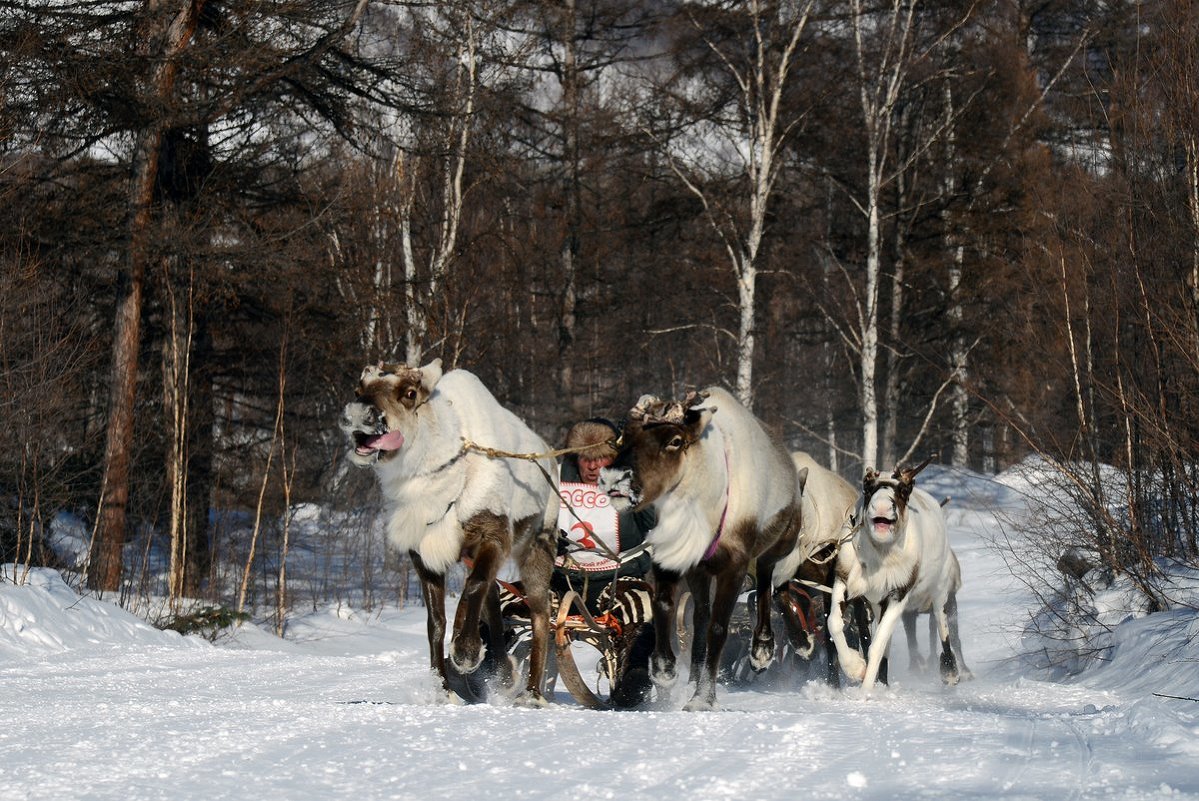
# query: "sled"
[622,666]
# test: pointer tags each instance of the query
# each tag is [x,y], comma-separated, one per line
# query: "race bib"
[589,520]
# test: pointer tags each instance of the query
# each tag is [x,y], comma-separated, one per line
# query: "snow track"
[97,705]
[155,722]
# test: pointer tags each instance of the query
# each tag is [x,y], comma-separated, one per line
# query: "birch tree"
[421,286]
[881,56]
[744,145]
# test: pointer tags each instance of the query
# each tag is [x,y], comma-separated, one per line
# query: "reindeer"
[725,496]
[827,504]
[447,502]
[898,559]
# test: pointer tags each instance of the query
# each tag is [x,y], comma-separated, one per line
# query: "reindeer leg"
[494,619]
[955,638]
[762,653]
[487,538]
[891,613]
[536,566]
[885,662]
[933,638]
[662,664]
[915,658]
[833,674]
[851,660]
[728,587]
[700,585]
[432,590]
[945,612]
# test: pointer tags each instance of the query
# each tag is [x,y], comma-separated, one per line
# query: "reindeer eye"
[675,443]
[410,393]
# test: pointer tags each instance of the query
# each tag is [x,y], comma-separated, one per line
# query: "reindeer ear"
[697,420]
[869,479]
[801,479]
[430,374]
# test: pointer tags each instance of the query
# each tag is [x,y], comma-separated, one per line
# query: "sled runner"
[622,667]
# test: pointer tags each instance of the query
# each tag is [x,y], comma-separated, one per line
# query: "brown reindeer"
[726,497]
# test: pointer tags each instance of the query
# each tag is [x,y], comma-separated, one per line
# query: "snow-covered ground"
[96,704]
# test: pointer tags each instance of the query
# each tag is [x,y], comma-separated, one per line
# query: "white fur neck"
[690,512]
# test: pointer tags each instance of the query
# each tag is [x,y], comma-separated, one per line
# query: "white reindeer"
[447,502]
[898,559]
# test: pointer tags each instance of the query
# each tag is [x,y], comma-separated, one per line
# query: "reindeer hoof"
[949,668]
[701,702]
[854,667]
[467,657]
[762,654]
[663,673]
[530,700]
[449,698]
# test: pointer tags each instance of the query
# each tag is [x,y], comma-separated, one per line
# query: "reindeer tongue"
[391,441]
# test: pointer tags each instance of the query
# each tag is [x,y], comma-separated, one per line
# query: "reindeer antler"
[908,476]
[652,409]
[641,409]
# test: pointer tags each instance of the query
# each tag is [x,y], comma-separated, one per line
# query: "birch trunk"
[899,248]
[1192,174]
[958,353]
[452,201]
[868,397]
[761,83]
[878,91]
[176,396]
[958,362]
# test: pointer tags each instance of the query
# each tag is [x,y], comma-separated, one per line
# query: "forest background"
[894,229]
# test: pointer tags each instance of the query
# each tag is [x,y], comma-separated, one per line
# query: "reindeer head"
[382,415]
[885,502]
[654,448]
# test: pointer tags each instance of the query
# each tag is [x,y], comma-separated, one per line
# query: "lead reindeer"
[726,496]
[898,559]
[447,502]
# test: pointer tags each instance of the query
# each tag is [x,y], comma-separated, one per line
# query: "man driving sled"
[601,558]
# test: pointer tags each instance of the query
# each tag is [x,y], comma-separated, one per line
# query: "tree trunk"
[573,189]
[869,353]
[899,249]
[443,251]
[958,356]
[105,559]
[197,554]
[746,290]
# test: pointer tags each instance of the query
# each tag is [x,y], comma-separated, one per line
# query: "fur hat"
[597,433]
